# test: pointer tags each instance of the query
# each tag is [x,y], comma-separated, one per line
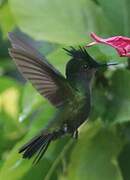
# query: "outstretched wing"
[44,77]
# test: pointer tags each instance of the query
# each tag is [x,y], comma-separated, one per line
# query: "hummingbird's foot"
[75,134]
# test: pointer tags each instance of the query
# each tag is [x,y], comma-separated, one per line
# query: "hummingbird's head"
[82,63]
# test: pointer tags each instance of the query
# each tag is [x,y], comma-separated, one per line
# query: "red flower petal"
[120,43]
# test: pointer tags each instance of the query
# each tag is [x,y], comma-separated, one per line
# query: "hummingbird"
[71,95]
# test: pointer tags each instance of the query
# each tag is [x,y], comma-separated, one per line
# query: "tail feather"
[31,142]
[41,152]
[32,149]
[37,145]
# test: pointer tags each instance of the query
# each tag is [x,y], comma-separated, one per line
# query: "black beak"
[108,64]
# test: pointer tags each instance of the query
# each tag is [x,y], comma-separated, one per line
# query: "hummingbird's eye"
[85,66]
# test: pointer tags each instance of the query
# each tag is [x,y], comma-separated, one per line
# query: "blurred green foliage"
[102,150]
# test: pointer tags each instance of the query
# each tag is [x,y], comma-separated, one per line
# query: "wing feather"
[44,77]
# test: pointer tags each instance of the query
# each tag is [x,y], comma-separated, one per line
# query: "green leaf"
[99,101]
[65,22]
[124,161]
[52,161]
[11,129]
[95,155]
[5,65]
[10,93]
[6,19]
[30,101]
[118,108]
[7,83]
[14,167]
[59,59]
[118,14]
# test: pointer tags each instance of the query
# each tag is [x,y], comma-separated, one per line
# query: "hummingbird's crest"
[81,54]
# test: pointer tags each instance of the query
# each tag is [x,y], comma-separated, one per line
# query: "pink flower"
[120,43]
